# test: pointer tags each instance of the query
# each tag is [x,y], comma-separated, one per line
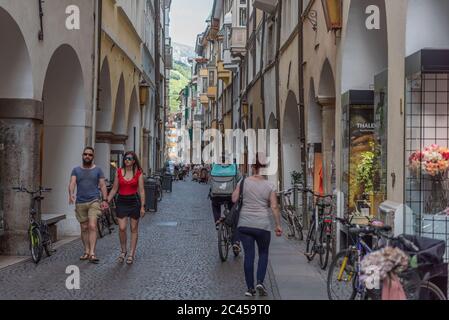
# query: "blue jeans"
[249,237]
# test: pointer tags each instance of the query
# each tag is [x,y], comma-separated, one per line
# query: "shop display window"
[427,142]
[359,154]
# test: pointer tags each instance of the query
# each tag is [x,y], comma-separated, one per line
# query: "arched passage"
[104,120]
[119,124]
[325,182]
[16,80]
[19,137]
[365,52]
[134,125]
[291,141]
[64,130]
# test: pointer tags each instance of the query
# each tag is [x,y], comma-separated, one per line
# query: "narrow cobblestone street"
[177,259]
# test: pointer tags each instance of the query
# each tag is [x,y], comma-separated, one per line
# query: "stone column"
[328,116]
[21,123]
[145,151]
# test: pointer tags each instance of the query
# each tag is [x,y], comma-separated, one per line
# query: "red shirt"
[128,188]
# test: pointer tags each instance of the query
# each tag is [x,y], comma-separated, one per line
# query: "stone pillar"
[145,151]
[21,123]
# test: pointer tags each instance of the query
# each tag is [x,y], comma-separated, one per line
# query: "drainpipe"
[278,110]
[96,70]
[302,108]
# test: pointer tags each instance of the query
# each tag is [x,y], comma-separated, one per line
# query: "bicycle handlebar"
[25,190]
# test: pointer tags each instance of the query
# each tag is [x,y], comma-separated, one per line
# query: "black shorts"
[128,207]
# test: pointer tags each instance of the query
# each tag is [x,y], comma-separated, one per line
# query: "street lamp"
[332,14]
[143,92]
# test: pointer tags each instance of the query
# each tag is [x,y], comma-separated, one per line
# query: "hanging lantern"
[333,14]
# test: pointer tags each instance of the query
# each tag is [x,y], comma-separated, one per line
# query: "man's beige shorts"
[84,211]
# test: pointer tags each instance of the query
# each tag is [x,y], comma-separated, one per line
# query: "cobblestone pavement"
[177,259]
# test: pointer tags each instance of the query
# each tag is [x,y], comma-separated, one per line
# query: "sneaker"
[250,293]
[262,290]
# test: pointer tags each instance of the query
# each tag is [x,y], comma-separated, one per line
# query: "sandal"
[93,259]
[122,257]
[130,260]
[85,257]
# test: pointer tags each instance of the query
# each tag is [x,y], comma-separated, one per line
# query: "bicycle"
[39,235]
[319,238]
[225,238]
[345,271]
[288,214]
[104,223]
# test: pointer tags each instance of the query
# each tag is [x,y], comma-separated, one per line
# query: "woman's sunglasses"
[129,159]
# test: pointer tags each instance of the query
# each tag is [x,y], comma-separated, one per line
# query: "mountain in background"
[181,74]
[183,53]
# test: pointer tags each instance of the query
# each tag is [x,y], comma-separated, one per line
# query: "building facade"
[69,86]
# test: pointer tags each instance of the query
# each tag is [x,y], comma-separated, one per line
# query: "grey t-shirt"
[256,212]
[87,184]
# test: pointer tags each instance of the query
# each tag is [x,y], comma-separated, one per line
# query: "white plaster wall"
[16,75]
[364,51]
[103,157]
[314,119]
[427,25]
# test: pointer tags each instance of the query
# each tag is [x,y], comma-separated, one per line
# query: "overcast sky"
[188,18]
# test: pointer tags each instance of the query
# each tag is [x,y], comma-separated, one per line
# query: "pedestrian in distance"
[255,224]
[130,204]
[89,181]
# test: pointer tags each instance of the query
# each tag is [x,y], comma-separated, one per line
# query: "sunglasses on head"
[88,155]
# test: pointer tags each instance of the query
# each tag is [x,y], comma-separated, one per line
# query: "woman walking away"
[255,224]
[130,207]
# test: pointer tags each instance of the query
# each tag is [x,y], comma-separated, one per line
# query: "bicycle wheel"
[298,229]
[36,244]
[325,247]
[223,242]
[430,291]
[114,214]
[342,277]
[290,224]
[311,243]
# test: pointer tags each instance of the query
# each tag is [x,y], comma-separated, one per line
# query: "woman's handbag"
[232,219]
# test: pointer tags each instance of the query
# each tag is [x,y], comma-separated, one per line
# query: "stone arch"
[119,123]
[16,79]
[291,141]
[104,110]
[365,52]
[64,134]
[134,124]
[427,25]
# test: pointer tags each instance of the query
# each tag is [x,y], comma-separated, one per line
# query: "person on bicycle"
[130,203]
[224,200]
[255,224]
[89,182]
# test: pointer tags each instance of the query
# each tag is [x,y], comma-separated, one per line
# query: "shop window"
[426,144]
[359,155]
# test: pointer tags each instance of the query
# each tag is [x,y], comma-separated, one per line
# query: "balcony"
[212,93]
[238,41]
[268,6]
[204,99]
[229,63]
[223,74]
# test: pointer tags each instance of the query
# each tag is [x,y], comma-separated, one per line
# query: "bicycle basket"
[431,251]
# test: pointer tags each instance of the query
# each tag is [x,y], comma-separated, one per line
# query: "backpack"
[223,180]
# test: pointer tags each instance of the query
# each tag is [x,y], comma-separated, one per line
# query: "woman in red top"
[130,207]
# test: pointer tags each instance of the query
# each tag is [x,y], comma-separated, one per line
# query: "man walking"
[88,181]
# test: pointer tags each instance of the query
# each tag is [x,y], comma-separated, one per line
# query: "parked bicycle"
[345,275]
[319,238]
[159,192]
[225,237]
[38,232]
[290,217]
